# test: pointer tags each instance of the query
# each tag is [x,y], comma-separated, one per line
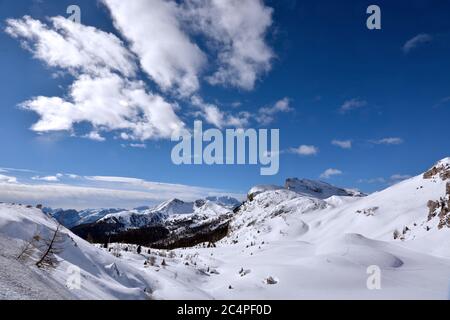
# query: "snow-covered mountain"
[225,201]
[172,224]
[102,275]
[279,244]
[415,209]
[319,189]
[138,217]
[308,188]
[170,211]
[72,218]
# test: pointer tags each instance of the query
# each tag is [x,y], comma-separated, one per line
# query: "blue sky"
[382,96]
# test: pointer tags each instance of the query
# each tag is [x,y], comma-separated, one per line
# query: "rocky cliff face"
[440,209]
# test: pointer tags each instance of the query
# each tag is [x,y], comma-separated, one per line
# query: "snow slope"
[376,216]
[23,280]
[282,244]
[285,245]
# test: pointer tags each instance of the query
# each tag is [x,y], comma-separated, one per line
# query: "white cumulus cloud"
[238,30]
[161,38]
[305,150]
[72,46]
[102,93]
[330,173]
[109,103]
[7,179]
[94,135]
[165,52]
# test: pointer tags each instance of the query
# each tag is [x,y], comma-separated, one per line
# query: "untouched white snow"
[23,280]
[281,245]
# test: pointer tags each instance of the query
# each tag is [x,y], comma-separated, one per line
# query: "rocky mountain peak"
[441,169]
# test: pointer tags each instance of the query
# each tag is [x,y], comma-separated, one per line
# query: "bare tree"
[52,247]
[29,248]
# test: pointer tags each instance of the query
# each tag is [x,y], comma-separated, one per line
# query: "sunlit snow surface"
[308,247]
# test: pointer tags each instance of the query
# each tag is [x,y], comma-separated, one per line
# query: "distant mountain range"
[176,223]
[307,239]
[137,217]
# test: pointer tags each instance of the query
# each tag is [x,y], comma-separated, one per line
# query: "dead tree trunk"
[53,247]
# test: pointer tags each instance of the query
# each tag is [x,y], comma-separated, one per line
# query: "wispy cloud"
[81,192]
[213,115]
[305,150]
[418,40]
[395,178]
[352,104]
[442,102]
[344,144]
[373,180]
[17,170]
[388,141]
[327,174]
[400,177]
[138,145]
[266,115]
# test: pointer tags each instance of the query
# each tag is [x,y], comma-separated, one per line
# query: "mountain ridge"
[284,243]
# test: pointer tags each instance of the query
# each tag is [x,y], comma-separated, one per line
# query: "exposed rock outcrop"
[441,170]
[441,209]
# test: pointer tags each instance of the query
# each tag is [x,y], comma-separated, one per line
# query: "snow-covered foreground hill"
[282,244]
[21,279]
